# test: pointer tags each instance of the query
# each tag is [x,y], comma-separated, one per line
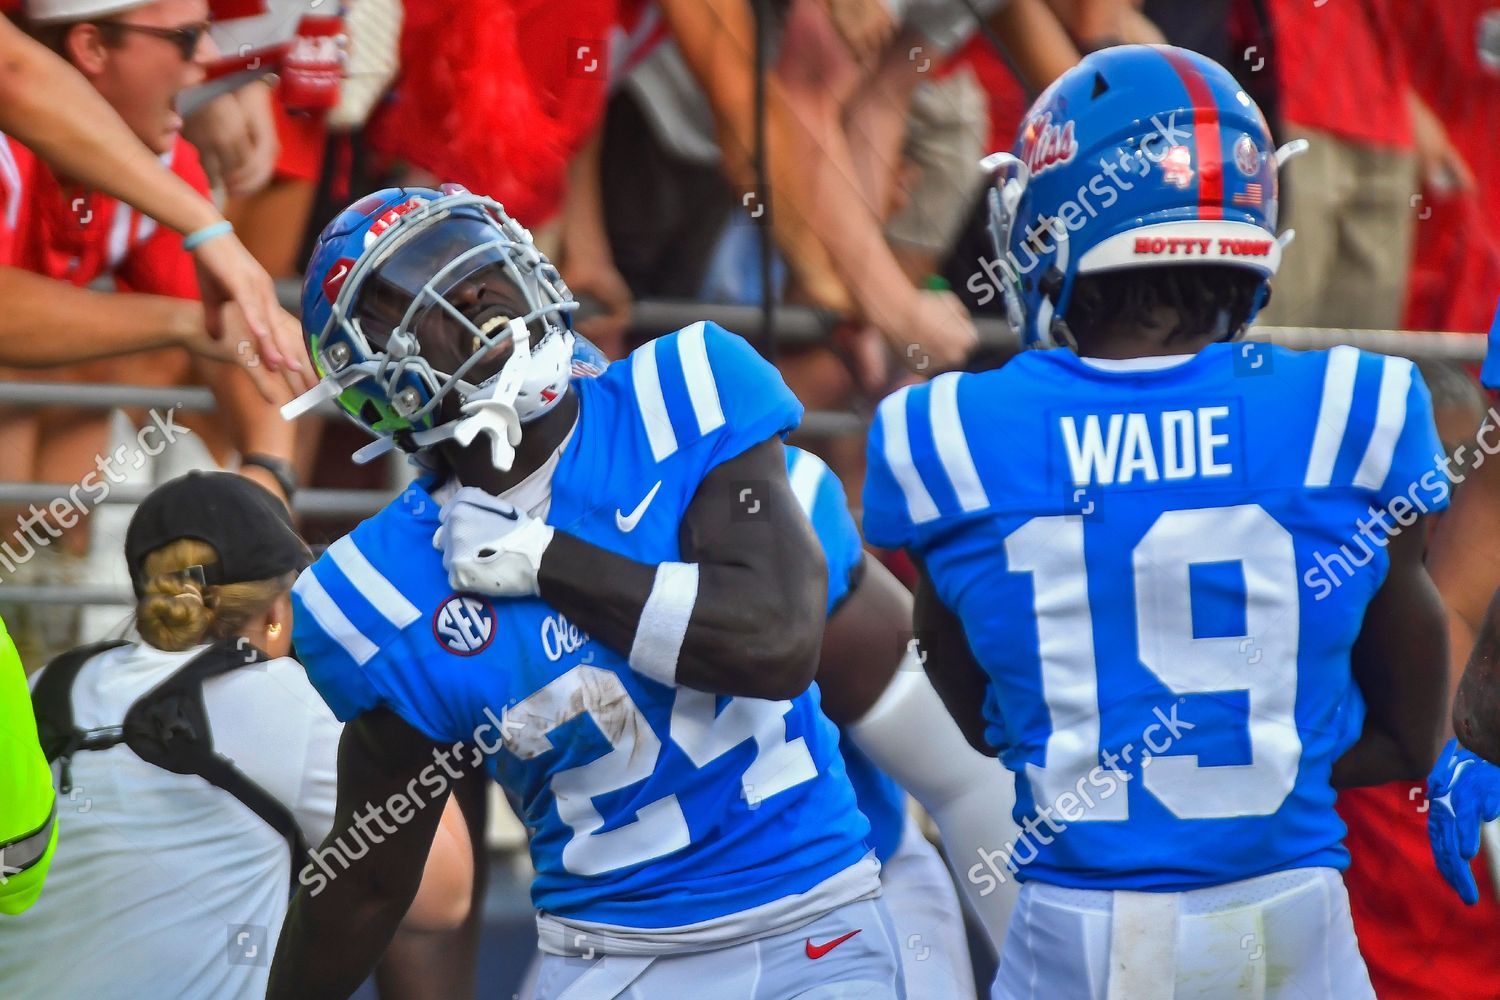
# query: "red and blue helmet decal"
[1139,155]
[340,246]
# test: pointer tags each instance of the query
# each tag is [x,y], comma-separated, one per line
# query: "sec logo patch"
[464,624]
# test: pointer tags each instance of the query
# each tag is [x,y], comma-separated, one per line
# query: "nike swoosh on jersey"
[819,950]
[627,522]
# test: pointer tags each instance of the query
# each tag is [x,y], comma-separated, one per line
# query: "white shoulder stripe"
[892,416]
[375,588]
[702,390]
[953,444]
[1333,415]
[648,397]
[12,176]
[1390,418]
[807,472]
[316,602]
[119,235]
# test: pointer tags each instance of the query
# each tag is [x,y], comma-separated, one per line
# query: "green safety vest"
[28,804]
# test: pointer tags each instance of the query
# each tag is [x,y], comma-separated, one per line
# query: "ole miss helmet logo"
[464,624]
[1045,145]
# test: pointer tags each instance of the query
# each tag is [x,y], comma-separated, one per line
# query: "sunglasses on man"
[185,37]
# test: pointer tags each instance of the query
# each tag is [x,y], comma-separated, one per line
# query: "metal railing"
[795,326]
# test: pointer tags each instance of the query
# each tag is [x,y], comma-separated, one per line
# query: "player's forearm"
[1466,574]
[1400,664]
[349,906]
[47,322]
[1476,706]
[949,663]
[747,634]
[86,140]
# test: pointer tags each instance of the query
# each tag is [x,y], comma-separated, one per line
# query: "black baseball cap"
[249,528]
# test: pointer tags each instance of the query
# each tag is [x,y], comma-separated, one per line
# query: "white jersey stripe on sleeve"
[369,581]
[807,472]
[648,396]
[953,444]
[338,627]
[1390,418]
[892,416]
[1333,415]
[11,174]
[118,244]
[702,390]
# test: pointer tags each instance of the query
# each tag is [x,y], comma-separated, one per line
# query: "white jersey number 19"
[1262,662]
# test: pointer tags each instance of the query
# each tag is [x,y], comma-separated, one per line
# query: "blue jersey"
[648,806]
[821,495]
[1162,573]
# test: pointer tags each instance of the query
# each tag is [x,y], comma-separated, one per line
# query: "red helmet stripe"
[1207,133]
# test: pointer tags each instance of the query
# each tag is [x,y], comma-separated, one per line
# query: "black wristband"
[279,468]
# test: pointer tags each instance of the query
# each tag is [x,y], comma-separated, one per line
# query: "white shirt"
[163,885]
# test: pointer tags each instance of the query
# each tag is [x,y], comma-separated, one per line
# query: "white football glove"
[489,546]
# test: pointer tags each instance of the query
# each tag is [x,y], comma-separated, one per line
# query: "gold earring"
[274,628]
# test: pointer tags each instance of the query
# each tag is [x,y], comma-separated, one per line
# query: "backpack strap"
[52,702]
[168,726]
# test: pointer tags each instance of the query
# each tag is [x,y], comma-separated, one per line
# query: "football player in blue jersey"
[896,738]
[642,685]
[1173,581]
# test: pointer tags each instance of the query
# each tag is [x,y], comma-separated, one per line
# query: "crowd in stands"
[654,148]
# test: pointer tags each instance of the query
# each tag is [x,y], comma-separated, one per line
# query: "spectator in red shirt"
[1343,87]
[1453,55]
[138,58]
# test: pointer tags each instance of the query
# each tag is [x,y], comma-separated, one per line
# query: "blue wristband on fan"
[198,237]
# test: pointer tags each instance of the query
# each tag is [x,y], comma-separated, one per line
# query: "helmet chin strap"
[492,411]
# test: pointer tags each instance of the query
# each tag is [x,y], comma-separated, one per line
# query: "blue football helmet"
[430,315]
[1141,155]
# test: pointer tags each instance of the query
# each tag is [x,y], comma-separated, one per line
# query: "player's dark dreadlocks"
[1204,298]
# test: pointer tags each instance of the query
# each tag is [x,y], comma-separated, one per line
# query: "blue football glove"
[489,546]
[1463,793]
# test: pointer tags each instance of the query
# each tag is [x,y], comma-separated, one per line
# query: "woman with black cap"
[193,768]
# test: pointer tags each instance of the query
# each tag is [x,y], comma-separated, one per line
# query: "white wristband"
[664,622]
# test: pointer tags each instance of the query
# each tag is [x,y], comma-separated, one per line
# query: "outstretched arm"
[342,919]
[1400,664]
[48,106]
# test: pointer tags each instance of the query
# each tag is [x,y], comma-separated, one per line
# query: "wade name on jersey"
[650,808]
[1129,546]
[1125,448]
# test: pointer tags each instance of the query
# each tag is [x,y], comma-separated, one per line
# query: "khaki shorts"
[945,135]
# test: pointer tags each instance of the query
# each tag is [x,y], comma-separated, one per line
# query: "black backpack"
[167,726]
